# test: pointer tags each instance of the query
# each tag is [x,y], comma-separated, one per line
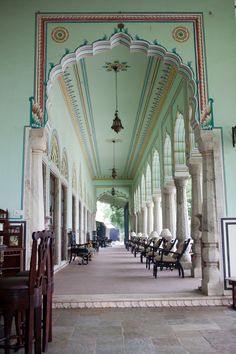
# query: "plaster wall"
[60,120]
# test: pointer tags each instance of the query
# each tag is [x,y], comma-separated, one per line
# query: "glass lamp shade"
[117,125]
[154,234]
[166,234]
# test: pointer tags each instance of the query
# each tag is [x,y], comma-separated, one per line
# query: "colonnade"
[37,195]
[168,209]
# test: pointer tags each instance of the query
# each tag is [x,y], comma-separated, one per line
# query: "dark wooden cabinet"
[12,234]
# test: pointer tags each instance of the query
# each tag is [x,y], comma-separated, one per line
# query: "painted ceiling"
[89,92]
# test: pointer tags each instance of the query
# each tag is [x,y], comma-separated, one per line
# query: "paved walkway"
[113,270]
[115,278]
[144,331]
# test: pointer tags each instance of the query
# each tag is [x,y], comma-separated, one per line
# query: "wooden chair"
[170,260]
[47,290]
[78,249]
[154,249]
[23,295]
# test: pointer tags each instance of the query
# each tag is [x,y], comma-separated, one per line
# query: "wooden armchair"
[165,247]
[23,295]
[153,250]
[78,249]
[170,260]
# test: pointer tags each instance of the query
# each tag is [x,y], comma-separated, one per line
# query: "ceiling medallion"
[60,34]
[180,34]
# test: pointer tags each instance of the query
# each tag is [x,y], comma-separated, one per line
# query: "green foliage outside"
[114,215]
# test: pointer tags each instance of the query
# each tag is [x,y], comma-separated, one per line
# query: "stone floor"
[144,331]
[114,305]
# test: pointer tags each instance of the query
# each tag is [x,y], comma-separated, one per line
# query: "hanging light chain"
[115,69]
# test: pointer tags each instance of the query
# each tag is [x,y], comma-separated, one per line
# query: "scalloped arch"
[120,199]
[120,38]
[55,149]
[64,164]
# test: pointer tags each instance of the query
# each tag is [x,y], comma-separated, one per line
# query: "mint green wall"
[17,25]
[60,120]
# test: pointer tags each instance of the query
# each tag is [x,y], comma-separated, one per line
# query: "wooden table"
[232,281]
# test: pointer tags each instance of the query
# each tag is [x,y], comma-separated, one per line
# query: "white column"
[94,221]
[57,230]
[195,170]
[211,278]
[136,222]
[157,216]
[169,214]
[38,147]
[144,219]
[182,223]
[140,221]
[149,217]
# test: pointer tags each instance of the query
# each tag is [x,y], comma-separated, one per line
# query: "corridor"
[115,278]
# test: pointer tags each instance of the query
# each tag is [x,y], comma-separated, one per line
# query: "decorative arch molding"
[55,150]
[167,158]
[64,165]
[119,200]
[139,198]
[179,141]
[156,172]
[134,46]
[148,183]
[42,28]
[143,189]
[74,179]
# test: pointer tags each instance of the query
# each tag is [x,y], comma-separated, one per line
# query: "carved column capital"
[38,140]
[205,141]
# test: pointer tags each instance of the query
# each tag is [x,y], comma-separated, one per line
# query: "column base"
[186,265]
[196,272]
[211,289]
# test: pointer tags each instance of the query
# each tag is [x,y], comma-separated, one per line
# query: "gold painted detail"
[74,120]
[86,120]
[64,166]
[60,34]
[74,180]
[180,34]
[144,112]
[156,114]
[55,156]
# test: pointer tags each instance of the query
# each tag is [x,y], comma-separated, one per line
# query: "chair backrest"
[41,262]
[184,247]
[72,239]
[158,242]
[168,245]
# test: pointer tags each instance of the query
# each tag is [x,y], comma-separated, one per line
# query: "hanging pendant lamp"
[117,125]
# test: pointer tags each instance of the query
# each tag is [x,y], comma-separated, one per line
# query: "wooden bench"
[232,281]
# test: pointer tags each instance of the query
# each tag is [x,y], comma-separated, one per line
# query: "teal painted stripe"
[91,119]
[141,100]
